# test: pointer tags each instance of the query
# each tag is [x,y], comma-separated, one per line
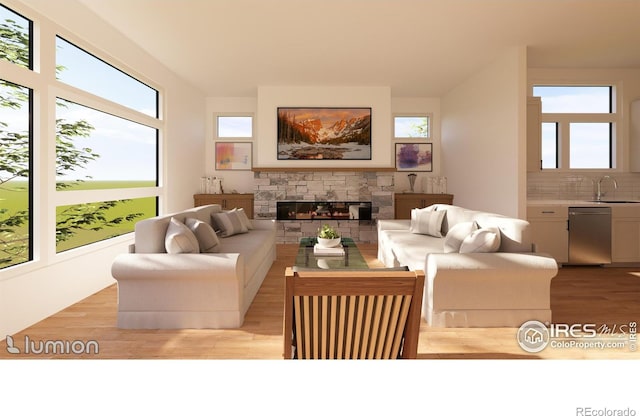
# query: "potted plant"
[328,236]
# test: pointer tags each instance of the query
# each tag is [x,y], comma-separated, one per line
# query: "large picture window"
[98,150]
[578,125]
[102,144]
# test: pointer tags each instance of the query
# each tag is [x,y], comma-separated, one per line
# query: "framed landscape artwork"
[318,133]
[416,157]
[233,155]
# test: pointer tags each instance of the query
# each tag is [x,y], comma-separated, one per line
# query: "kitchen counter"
[550,228]
[580,203]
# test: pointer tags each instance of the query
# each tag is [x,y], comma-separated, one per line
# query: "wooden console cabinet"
[405,202]
[227,201]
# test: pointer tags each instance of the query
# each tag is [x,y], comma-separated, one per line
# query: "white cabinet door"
[625,244]
[549,230]
[625,234]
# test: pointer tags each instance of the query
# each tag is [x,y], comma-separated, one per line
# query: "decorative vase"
[412,180]
[328,242]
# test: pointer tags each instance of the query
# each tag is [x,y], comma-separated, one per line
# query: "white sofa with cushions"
[481,268]
[181,273]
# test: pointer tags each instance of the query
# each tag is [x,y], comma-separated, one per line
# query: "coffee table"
[352,258]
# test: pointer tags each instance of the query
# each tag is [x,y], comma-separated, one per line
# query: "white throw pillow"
[483,240]
[456,235]
[207,238]
[244,218]
[180,239]
[229,223]
[425,221]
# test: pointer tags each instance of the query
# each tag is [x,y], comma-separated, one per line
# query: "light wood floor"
[578,295]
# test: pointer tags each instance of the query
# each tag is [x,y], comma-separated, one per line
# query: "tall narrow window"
[549,145]
[16,106]
[15,175]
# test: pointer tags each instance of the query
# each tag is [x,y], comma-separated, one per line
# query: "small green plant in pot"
[328,236]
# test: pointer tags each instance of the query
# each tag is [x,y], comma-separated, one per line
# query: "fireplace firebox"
[323,210]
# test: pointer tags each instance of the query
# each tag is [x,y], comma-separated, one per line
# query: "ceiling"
[420,48]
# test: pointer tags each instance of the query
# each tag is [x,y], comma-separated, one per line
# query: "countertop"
[581,203]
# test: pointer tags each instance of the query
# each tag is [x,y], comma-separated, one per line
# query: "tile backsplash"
[578,186]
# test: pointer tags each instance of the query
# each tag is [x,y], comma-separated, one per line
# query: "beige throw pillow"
[244,218]
[229,223]
[427,221]
[207,239]
[180,239]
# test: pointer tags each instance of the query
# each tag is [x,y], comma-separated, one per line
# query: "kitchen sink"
[614,201]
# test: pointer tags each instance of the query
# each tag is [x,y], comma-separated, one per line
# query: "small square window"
[418,126]
[234,126]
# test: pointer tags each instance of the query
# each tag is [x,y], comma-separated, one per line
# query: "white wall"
[35,290]
[483,137]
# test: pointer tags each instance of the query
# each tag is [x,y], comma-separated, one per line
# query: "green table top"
[351,260]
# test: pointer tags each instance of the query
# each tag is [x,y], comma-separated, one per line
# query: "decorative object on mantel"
[435,185]
[316,133]
[211,185]
[412,181]
[328,237]
[234,155]
[414,157]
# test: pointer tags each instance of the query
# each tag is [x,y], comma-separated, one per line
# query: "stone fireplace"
[371,189]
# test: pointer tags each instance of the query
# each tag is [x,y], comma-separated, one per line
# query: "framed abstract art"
[415,157]
[234,155]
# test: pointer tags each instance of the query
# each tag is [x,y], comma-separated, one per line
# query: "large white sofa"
[498,280]
[194,289]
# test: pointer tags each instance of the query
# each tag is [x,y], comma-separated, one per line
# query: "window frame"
[45,89]
[216,125]
[564,121]
[25,77]
[85,98]
[428,116]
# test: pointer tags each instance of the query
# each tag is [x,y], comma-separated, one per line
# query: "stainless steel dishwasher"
[589,235]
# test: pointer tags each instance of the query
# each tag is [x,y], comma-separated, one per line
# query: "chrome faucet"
[599,193]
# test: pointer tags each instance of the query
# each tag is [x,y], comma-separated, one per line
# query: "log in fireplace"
[323,210]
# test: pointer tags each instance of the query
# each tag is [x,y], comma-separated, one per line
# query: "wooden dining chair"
[352,314]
